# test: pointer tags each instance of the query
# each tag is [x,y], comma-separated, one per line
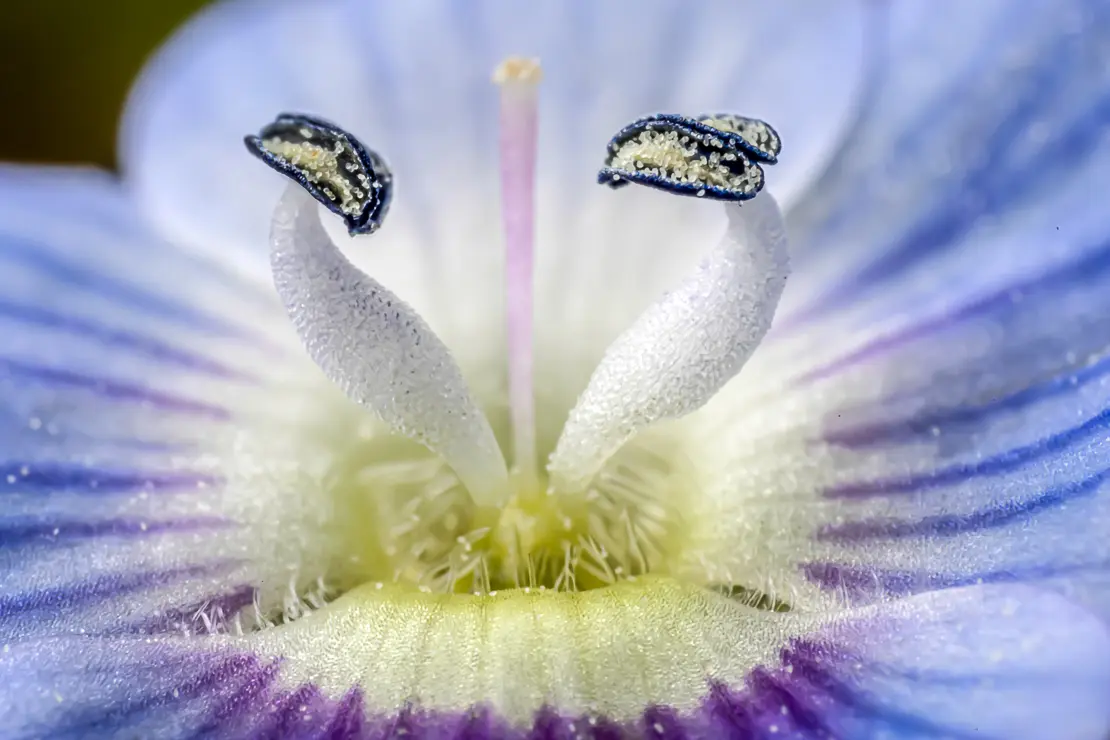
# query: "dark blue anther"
[351,181]
[756,137]
[712,157]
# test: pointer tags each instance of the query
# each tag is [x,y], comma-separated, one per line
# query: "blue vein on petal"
[187,617]
[118,339]
[862,582]
[86,723]
[1088,268]
[86,593]
[999,464]
[994,183]
[24,477]
[886,433]
[59,532]
[34,254]
[950,525]
[250,693]
[109,389]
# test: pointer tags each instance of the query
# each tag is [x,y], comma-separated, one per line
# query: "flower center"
[396,513]
[426,499]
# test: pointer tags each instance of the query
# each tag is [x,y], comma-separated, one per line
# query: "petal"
[134,379]
[983,662]
[231,65]
[942,423]
[412,81]
[684,348]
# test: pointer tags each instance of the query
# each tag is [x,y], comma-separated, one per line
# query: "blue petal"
[964,325]
[932,406]
[988,662]
[121,359]
[965,160]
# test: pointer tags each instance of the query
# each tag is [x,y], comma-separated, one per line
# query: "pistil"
[518,80]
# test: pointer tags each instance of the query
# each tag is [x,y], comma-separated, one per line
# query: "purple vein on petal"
[1091,266]
[38,532]
[249,693]
[40,258]
[217,678]
[102,589]
[48,477]
[110,389]
[1005,462]
[861,583]
[909,428]
[119,339]
[951,525]
[224,605]
[290,717]
[348,720]
[1005,174]
[818,689]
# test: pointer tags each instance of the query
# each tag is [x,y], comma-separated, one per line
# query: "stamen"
[686,346]
[368,341]
[519,79]
[378,350]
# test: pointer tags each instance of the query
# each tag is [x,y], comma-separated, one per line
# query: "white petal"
[942,419]
[378,350]
[684,348]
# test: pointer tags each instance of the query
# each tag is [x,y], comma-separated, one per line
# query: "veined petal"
[994,662]
[684,348]
[940,174]
[134,382]
[942,423]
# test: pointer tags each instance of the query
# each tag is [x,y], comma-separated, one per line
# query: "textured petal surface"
[941,420]
[981,662]
[161,428]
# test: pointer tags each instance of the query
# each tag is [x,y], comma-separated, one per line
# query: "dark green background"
[65,68]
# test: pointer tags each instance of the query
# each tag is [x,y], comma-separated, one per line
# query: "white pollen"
[319,165]
[666,155]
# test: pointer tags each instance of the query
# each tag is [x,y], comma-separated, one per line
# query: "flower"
[891,523]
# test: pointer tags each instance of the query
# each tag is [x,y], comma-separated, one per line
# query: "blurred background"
[66,67]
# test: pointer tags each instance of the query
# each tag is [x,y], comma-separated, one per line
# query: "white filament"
[378,350]
[683,348]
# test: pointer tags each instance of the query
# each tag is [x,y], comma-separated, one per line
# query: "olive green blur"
[65,68]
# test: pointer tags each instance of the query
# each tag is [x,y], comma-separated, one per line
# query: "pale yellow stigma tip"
[518,70]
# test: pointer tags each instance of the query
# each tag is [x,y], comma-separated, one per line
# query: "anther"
[350,180]
[713,157]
